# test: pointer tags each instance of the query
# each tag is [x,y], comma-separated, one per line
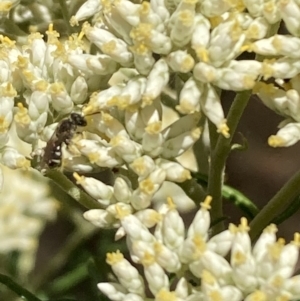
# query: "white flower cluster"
[143,134]
[48,87]
[134,54]
[138,47]
[198,263]
[25,207]
[155,183]
[282,97]
[203,39]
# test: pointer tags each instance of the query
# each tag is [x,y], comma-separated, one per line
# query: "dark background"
[260,171]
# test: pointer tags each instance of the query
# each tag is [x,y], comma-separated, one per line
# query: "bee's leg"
[37,159]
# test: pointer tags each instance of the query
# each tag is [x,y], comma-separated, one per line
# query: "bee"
[63,134]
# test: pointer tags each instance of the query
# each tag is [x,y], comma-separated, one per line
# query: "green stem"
[213,134]
[72,190]
[219,155]
[275,206]
[16,288]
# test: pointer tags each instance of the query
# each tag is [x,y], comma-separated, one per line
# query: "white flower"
[127,149]
[181,61]
[237,75]
[225,42]
[143,166]
[101,218]
[131,94]
[79,90]
[6,115]
[155,275]
[114,291]
[214,8]
[257,29]
[108,125]
[86,10]
[149,217]
[122,191]
[290,13]
[129,11]
[179,197]
[157,80]
[29,129]
[96,189]
[61,101]
[171,228]
[211,287]
[278,45]
[274,98]
[288,135]
[138,120]
[272,12]
[93,64]
[97,153]
[146,38]
[242,261]
[286,103]
[211,106]
[11,158]
[263,270]
[174,171]
[189,99]
[254,7]
[109,44]
[182,22]
[127,275]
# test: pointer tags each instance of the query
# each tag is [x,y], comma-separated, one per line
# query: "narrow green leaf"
[240,200]
[288,212]
[16,288]
[69,280]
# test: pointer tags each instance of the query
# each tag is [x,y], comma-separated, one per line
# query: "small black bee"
[63,134]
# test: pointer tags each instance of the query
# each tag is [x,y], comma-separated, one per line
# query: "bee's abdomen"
[55,158]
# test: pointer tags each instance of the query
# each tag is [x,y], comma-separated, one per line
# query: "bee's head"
[78,119]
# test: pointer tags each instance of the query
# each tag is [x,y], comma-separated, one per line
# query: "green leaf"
[69,280]
[288,212]
[240,200]
[16,288]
